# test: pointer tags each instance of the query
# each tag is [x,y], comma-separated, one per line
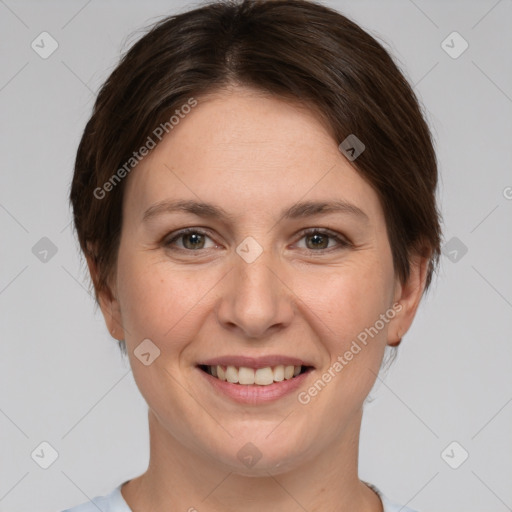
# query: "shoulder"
[389,505]
[111,502]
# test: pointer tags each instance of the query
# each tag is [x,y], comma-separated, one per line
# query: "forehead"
[251,151]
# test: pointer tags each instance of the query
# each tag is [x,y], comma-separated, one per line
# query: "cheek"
[350,298]
[348,307]
[160,301]
[147,297]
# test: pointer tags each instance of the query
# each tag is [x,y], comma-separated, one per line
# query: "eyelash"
[342,242]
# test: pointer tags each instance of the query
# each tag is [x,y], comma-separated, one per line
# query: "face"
[257,276]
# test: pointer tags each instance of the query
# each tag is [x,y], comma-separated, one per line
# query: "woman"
[255,197]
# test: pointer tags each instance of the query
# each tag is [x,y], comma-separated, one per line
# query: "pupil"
[196,237]
[317,236]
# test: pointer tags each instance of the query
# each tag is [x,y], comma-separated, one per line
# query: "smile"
[246,376]
[247,379]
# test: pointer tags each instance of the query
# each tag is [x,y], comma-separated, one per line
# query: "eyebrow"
[296,211]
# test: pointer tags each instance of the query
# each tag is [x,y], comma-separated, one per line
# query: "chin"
[264,457]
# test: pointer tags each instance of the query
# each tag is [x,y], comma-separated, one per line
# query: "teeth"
[246,375]
[261,376]
[232,374]
[279,373]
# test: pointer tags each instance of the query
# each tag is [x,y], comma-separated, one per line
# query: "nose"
[256,298]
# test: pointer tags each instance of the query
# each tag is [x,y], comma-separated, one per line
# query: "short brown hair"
[289,48]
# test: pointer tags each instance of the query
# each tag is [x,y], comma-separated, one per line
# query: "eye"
[192,239]
[319,240]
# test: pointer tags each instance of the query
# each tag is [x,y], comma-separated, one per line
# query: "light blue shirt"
[114,502]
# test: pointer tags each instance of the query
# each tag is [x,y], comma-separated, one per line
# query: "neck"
[180,478]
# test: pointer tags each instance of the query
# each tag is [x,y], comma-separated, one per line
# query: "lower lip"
[253,393]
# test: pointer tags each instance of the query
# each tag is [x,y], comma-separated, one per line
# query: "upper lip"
[255,362]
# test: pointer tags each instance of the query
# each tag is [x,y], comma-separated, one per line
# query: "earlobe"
[107,300]
[111,313]
[396,341]
[114,324]
[408,295]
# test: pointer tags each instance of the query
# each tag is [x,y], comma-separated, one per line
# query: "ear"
[408,295]
[107,299]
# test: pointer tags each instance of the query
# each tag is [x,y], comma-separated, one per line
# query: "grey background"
[62,377]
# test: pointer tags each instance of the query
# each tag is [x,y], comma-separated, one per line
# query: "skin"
[253,155]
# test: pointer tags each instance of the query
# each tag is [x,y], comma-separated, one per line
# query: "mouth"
[250,376]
